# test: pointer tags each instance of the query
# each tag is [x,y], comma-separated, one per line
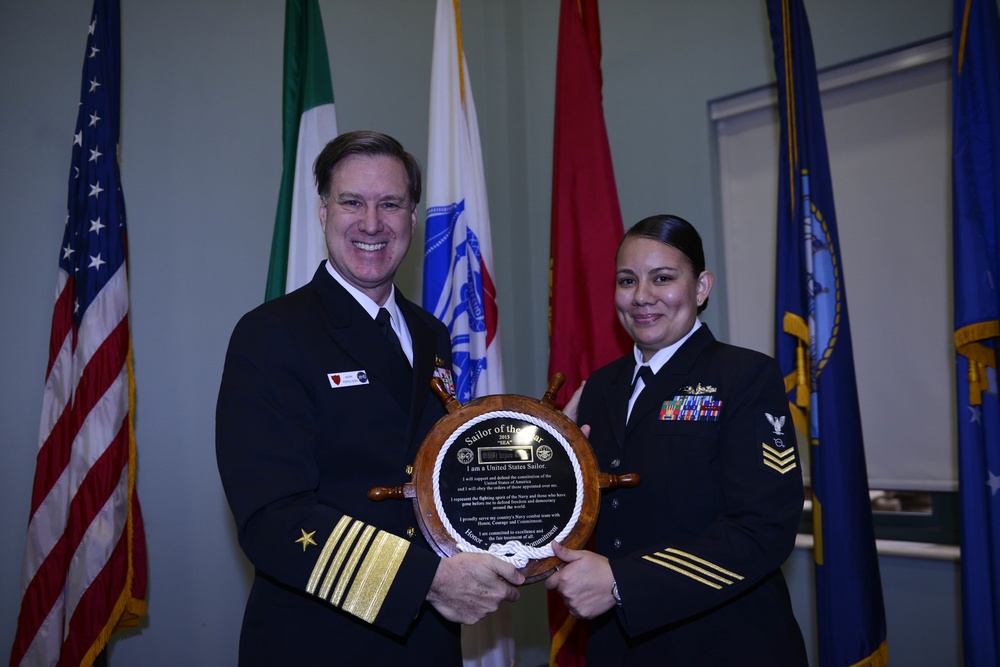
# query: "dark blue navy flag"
[976,233]
[813,347]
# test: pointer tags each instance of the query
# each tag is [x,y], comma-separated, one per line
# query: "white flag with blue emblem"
[458,259]
[458,256]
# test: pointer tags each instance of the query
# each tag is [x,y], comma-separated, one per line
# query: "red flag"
[584,333]
[84,567]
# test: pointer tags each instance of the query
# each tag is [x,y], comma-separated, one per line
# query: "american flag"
[84,567]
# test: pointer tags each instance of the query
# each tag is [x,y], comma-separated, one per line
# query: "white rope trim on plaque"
[514,552]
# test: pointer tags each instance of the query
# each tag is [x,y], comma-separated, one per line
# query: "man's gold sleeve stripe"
[343,552]
[376,576]
[351,565]
[355,547]
[324,555]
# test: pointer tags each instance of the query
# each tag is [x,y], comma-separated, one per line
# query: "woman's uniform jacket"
[315,408]
[696,547]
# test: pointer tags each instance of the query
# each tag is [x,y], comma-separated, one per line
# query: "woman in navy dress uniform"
[686,566]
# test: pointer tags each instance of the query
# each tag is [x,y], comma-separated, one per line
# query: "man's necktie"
[385,323]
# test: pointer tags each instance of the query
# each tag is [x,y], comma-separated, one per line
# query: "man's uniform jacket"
[696,547]
[315,408]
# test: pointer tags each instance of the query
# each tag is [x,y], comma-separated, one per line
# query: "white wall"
[200,161]
[888,131]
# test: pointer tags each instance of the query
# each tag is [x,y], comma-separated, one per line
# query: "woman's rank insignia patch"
[777,446]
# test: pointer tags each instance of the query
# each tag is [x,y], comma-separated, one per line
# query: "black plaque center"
[505,479]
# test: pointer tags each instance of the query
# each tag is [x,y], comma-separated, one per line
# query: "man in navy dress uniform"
[325,394]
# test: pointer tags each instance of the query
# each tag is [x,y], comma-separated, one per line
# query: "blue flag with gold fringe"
[975,226]
[813,347]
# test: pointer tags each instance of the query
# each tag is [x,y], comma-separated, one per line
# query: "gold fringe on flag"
[967,344]
[796,326]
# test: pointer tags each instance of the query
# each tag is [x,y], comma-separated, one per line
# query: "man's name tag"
[347,379]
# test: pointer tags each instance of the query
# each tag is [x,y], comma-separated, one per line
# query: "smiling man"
[368,210]
[325,394]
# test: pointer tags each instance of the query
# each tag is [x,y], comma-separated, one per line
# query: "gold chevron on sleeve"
[782,461]
[375,576]
[324,555]
[693,567]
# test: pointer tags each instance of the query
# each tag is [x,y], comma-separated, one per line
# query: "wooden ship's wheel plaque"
[507,475]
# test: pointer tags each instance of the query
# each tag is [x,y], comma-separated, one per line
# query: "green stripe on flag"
[307,85]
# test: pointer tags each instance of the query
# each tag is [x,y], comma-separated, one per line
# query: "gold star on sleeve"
[306,539]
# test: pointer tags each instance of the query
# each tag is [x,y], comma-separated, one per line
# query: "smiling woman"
[694,552]
[660,289]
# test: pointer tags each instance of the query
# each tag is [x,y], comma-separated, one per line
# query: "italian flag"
[308,123]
